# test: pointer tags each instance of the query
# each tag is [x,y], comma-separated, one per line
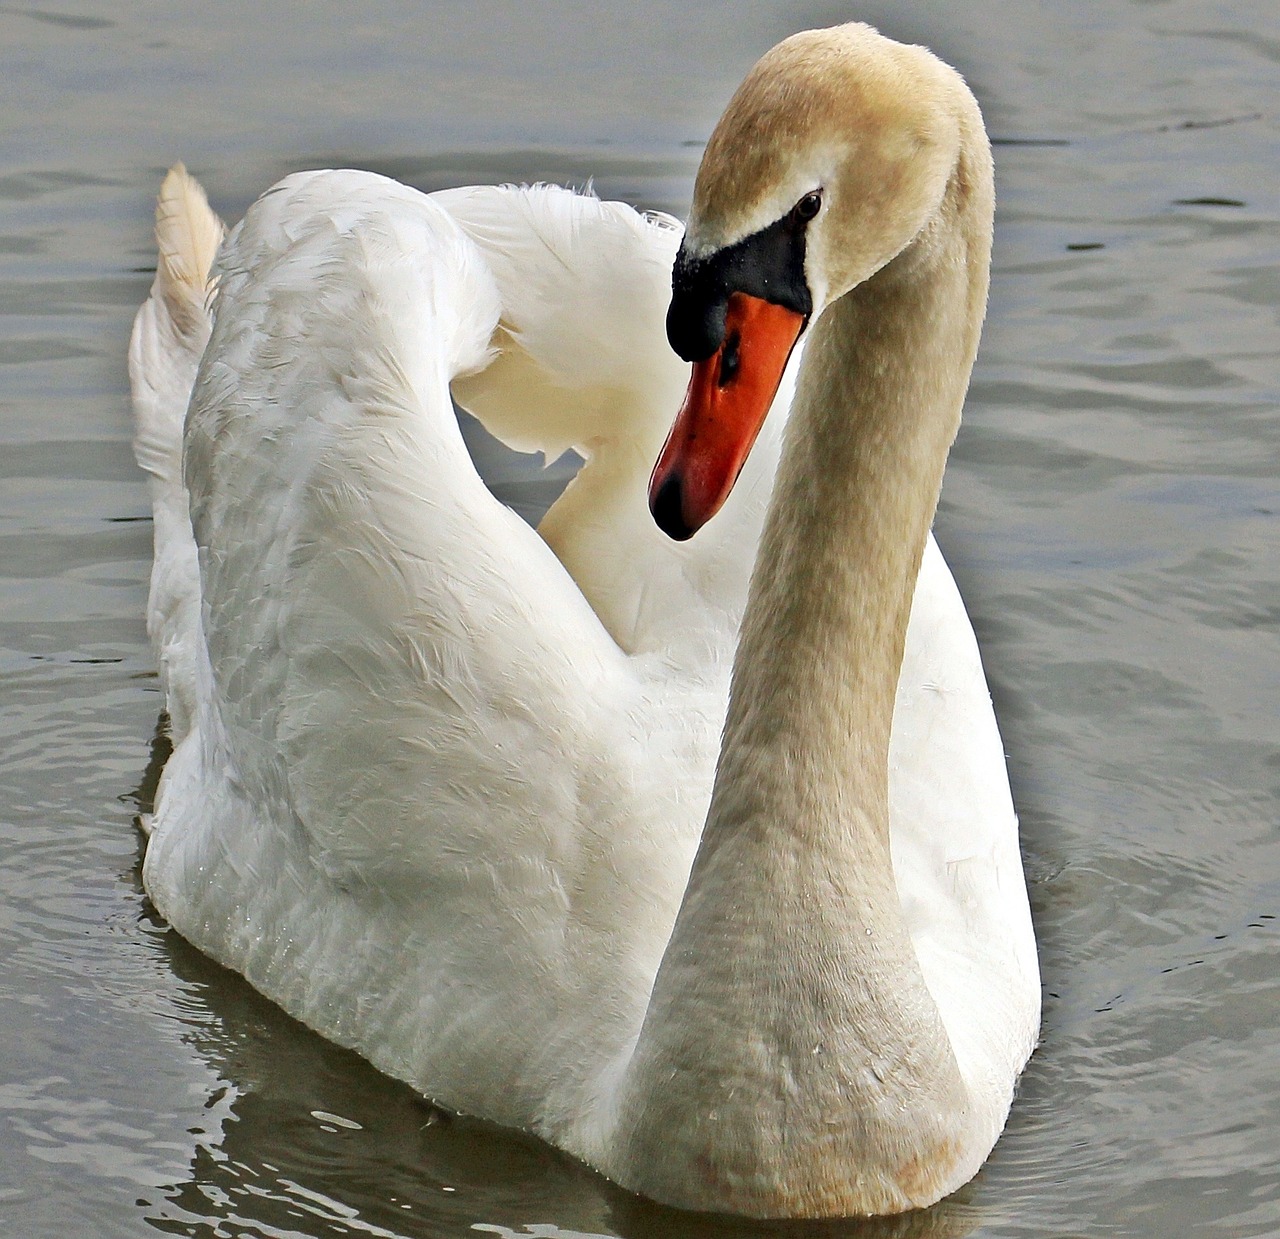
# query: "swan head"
[832,157]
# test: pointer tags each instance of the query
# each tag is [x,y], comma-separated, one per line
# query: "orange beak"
[729,394]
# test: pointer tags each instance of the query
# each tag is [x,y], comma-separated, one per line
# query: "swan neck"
[791,1043]
[877,409]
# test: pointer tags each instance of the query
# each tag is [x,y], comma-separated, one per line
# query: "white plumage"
[438,780]
[423,760]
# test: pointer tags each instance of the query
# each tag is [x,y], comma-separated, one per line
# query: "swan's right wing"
[583,361]
[955,837]
[581,349]
[368,603]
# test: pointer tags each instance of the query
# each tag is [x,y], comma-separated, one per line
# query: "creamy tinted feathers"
[438,781]
[169,335]
[855,1078]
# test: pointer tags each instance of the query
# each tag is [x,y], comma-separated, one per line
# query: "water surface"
[1110,511]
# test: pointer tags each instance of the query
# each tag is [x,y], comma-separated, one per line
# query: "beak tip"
[666,503]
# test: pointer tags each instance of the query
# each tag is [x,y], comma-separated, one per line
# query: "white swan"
[439,797]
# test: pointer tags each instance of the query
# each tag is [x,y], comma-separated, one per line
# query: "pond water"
[1110,512]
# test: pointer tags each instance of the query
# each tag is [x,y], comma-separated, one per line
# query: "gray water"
[1110,512]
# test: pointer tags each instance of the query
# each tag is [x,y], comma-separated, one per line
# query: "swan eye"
[807,207]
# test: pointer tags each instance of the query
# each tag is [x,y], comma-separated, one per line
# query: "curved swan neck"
[791,1050]
[877,408]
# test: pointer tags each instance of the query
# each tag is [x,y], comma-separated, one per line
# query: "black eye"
[807,207]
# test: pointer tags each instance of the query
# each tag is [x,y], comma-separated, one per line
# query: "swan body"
[451,790]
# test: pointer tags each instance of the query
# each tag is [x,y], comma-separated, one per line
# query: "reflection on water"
[1110,511]
[310,1136]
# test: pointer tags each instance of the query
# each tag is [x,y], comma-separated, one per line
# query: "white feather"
[436,789]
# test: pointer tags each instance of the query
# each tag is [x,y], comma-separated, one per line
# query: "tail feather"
[188,235]
[170,333]
[173,325]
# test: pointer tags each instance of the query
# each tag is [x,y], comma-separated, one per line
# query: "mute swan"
[439,792]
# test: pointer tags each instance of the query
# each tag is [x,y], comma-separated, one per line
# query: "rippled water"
[1111,513]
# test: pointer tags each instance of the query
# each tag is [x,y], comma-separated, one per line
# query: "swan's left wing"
[423,767]
[391,637]
[583,361]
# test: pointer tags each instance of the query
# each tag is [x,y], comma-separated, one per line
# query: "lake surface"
[1111,513]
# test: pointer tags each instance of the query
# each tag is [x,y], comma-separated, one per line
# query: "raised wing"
[393,649]
[584,284]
